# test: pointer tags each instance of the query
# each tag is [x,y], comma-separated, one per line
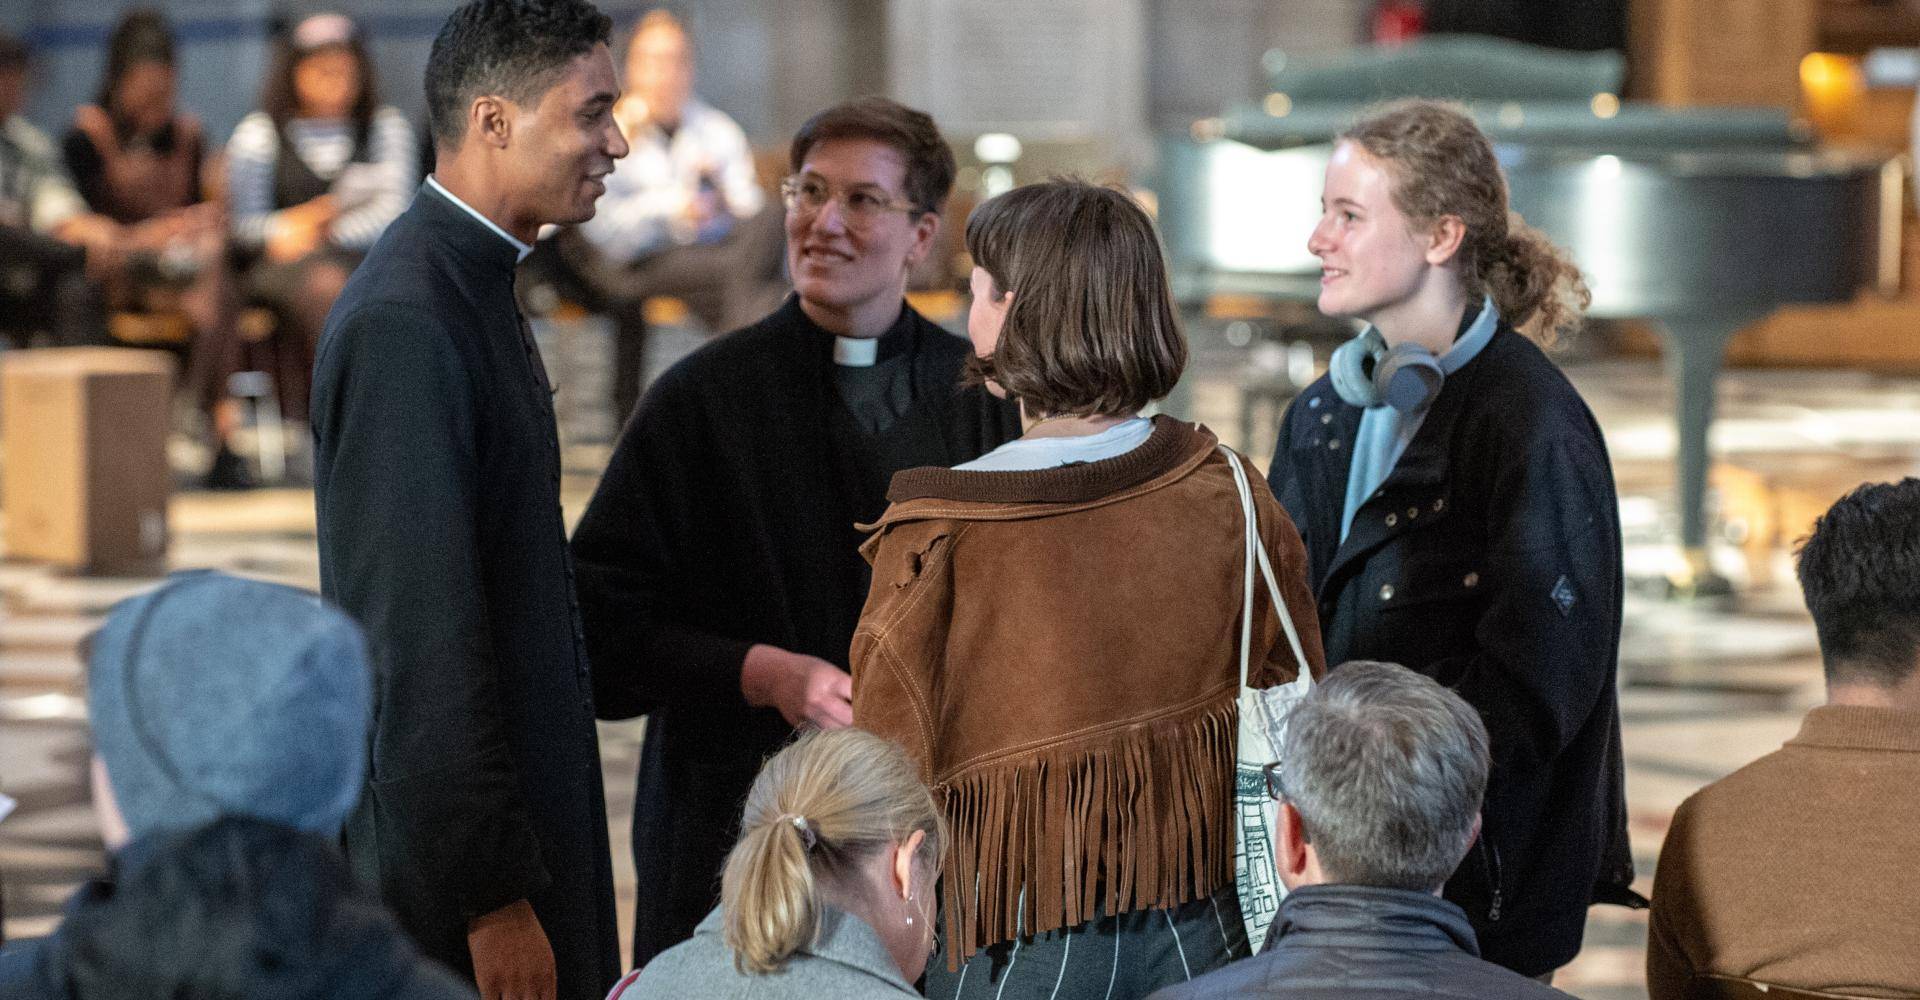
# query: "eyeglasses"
[1275,787]
[861,206]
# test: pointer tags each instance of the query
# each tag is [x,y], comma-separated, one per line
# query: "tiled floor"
[1706,686]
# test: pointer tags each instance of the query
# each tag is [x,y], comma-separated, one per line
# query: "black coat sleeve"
[636,561]
[402,547]
[1548,636]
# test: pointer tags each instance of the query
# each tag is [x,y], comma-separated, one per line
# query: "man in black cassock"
[720,578]
[438,490]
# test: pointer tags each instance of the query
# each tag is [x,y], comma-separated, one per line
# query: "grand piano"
[1700,221]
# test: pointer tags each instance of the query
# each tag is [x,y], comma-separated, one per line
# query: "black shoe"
[229,472]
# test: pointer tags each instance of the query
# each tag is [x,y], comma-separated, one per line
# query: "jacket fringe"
[1136,818]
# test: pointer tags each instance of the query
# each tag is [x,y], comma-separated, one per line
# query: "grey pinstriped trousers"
[1112,958]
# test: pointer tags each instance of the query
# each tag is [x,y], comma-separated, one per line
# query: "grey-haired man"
[1380,793]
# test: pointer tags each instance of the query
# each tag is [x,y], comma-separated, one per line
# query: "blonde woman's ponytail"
[817,811]
[768,896]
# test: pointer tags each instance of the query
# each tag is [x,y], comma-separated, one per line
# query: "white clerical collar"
[856,352]
[521,248]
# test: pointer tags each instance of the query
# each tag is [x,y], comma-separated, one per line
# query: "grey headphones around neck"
[1366,372]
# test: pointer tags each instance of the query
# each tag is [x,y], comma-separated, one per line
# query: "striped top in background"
[326,147]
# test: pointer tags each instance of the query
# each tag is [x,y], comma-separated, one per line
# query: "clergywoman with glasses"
[718,568]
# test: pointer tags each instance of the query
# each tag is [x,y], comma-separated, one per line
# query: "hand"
[93,121]
[300,230]
[318,213]
[511,957]
[291,239]
[101,238]
[700,210]
[807,690]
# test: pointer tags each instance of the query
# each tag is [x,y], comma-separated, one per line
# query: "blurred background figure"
[195,721]
[246,908]
[138,160]
[682,215]
[51,247]
[830,890]
[314,177]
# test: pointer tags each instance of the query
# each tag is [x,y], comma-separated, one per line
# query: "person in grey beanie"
[218,698]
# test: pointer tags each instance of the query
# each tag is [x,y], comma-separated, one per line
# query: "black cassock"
[725,519]
[437,483]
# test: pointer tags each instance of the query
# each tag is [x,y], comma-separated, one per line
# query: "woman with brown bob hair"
[1458,508]
[1053,630]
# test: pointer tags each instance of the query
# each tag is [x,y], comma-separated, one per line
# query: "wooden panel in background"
[1720,52]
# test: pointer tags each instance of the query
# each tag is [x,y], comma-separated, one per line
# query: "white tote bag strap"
[1256,552]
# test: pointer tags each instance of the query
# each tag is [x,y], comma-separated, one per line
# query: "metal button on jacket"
[1386,591]
[1392,519]
[1439,505]
[1472,580]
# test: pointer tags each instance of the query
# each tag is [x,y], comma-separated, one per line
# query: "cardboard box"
[83,432]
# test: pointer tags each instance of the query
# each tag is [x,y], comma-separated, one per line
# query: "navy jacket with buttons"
[1489,560]
[437,483]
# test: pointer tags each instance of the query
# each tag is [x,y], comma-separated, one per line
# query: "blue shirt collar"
[1468,345]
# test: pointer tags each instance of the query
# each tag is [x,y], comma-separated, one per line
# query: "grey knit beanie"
[214,695]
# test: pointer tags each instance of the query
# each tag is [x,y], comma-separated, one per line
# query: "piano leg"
[1696,346]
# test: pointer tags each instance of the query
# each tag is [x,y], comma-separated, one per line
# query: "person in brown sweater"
[1795,875]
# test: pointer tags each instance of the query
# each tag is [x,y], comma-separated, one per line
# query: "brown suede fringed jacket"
[1059,651]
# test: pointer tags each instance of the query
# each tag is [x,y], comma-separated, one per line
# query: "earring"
[909,909]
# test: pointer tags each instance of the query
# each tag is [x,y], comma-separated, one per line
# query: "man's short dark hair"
[930,164]
[1860,572]
[513,48]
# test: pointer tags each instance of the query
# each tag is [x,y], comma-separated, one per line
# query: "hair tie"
[806,829]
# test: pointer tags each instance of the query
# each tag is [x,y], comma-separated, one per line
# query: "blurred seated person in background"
[830,890]
[1795,875]
[193,720]
[52,249]
[313,178]
[683,214]
[1380,784]
[138,160]
[246,908]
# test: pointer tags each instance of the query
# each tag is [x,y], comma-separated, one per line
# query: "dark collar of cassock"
[465,235]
